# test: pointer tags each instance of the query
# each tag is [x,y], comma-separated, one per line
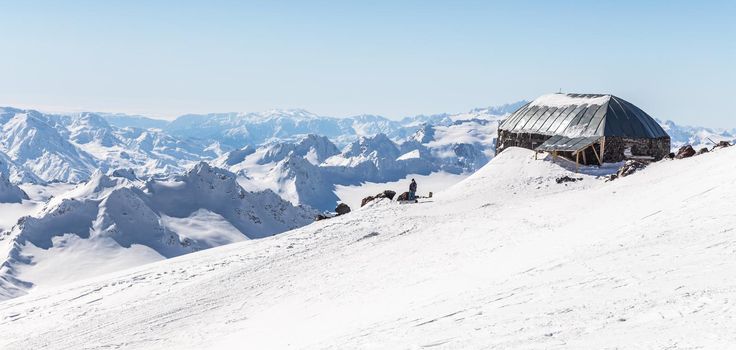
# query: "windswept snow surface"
[507,258]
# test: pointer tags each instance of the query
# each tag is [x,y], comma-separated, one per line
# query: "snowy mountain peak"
[379,145]
[10,193]
[36,145]
[425,134]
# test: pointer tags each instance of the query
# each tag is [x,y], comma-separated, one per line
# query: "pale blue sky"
[675,59]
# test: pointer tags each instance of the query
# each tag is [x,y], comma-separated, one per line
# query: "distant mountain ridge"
[39,147]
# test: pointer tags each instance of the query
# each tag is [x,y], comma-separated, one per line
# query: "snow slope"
[507,258]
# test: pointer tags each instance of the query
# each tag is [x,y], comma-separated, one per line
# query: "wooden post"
[584,160]
[577,161]
[554,155]
[596,154]
[603,149]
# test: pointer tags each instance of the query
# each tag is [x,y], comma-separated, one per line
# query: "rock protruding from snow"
[342,209]
[385,194]
[686,151]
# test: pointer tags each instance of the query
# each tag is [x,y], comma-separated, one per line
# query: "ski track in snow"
[505,259]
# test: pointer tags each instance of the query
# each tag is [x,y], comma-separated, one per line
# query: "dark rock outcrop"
[342,209]
[630,167]
[686,151]
[566,178]
[366,200]
[385,194]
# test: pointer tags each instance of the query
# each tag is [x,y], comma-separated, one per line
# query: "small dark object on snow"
[321,217]
[686,151]
[566,178]
[366,200]
[671,155]
[386,194]
[372,234]
[342,209]
[702,150]
[631,166]
[405,198]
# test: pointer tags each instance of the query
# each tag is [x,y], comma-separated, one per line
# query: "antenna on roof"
[559,92]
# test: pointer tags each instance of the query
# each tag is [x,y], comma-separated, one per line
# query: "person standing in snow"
[412,190]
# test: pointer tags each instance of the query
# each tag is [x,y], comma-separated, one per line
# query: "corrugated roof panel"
[524,118]
[511,121]
[567,144]
[632,121]
[564,119]
[530,120]
[620,121]
[569,120]
[653,128]
[552,118]
[573,129]
[583,114]
[596,120]
[542,119]
[584,122]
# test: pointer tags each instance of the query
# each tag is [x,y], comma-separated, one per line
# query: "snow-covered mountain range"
[116,221]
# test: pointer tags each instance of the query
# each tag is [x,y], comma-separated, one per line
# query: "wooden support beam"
[603,149]
[577,161]
[596,155]
[585,161]
[554,155]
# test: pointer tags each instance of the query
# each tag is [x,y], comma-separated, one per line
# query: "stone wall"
[508,139]
[615,148]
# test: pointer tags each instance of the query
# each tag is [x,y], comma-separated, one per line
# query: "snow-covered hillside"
[118,221]
[508,258]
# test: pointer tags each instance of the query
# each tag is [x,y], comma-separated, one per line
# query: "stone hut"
[586,128]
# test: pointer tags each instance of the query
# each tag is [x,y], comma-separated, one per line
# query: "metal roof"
[583,115]
[567,144]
